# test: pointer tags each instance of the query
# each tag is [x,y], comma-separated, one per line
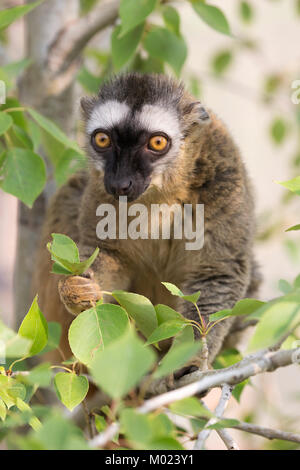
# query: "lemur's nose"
[122,187]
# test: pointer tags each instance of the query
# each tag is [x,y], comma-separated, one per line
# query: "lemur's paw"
[79,293]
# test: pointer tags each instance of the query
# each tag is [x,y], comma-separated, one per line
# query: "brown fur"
[209,170]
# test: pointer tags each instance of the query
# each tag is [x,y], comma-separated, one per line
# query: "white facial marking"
[157,118]
[107,115]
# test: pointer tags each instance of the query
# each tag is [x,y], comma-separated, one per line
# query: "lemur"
[148,139]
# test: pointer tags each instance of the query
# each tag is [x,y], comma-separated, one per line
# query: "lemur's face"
[134,133]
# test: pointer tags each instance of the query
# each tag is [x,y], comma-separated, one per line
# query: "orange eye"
[102,140]
[158,143]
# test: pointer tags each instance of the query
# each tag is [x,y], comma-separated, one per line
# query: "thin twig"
[253,364]
[219,411]
[224,435]
[227,439]
[88,419]
[72,40]
[263,361]
[267,433]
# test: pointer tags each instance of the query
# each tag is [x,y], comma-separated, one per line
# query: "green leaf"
[136,427]
[64,248]
[124,47]
[9,15]
[23,175]
[212,16]
[164,443]
[100,423]
[193,298]
[185,336]
[293,185]
[284,286]
[71,389]
[176,357]
[58,433]
[246,307]
[51,128]
[54,335]
[4,385]
[133,13]
[227,358]
[66,255]
[5,122]
[165,313]
[12,344]
[21,138]
[99,326]
[224,423]
[34,327]
[88,81]
[166,330]
[140,309]
[242,307]
[40,375]
[190,406]
[13,69]
[16,389]
[148,431]
[18,115]
[59,269]
[69,163]
[164,45]
[221,61]
[33,421]
[297,282]
[278,319]
[278,130]
[3,410]
[121,366]
[221,314]
[86,6]
[11,390]
[246,11]
[294,228]
[171,19]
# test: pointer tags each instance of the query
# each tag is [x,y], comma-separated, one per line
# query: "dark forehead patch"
[137,90]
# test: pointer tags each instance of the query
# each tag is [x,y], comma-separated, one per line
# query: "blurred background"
[247,81]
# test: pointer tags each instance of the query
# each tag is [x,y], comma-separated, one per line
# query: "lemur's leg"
[221,285]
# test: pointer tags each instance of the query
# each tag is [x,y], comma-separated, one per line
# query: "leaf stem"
[63,367]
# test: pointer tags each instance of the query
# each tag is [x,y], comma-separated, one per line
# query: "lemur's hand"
[79,293]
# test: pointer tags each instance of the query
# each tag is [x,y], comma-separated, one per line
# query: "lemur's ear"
[87,105]
[197,110]
[195,113]
[203,113]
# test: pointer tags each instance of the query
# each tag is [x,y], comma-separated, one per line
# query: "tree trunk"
[42,27]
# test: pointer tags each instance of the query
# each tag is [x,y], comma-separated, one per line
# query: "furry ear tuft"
[194,113]
[197,110]
[87,105]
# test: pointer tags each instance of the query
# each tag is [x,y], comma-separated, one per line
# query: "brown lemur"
[148,139]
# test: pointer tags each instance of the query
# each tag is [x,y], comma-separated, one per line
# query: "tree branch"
[70,41]
[254,364]
[268,433]
[219,411]
[227,439]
